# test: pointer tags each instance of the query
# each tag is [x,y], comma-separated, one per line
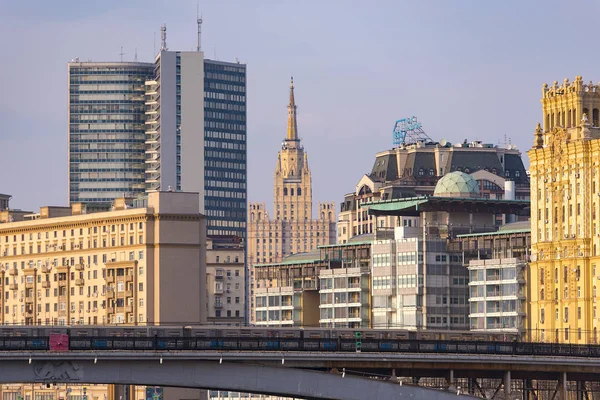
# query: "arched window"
[299,191]
[542,294]
[285,191]
[467,170]
[586,112]
[595,117]
[547,121]
[252,217]
[421,172]
[430,171]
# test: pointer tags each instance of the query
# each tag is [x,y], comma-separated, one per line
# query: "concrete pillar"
[450,380]
[507,383]
[561,388]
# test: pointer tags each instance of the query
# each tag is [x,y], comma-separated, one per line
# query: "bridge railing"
[249,344]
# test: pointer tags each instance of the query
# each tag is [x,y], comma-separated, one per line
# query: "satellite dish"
[443,142]
[508,147]
[514,146]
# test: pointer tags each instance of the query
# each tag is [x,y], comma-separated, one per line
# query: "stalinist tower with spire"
[291,229]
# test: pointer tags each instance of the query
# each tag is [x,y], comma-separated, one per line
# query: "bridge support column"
[561,387]
[450,380]
[507,384]
[581,390]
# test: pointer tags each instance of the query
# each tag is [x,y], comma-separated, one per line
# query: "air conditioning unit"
[568,197]
[576,175]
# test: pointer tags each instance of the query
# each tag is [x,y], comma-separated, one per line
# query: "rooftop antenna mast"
[121,54]
[163,37]
[199,22]
[135,55]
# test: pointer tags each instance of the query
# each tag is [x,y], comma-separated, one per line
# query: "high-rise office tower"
[106,130]
[176,124]
[196,135]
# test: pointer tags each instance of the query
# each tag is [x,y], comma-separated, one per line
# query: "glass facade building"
[225,147]
[176,124]
[106,131]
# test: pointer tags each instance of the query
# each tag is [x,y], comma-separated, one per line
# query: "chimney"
[509,194]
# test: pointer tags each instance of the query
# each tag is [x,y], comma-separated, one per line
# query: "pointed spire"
[292,130]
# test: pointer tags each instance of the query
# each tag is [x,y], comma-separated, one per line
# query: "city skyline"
[358,69]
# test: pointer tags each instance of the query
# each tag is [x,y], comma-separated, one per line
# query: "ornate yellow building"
[565,178]
[292,230]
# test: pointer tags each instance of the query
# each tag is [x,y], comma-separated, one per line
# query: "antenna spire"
[163,37]
[121,54]
[199,22]
[135,55]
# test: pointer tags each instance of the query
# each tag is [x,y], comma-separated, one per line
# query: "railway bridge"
[327,367]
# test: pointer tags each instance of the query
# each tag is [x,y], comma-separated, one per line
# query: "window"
[542,315]
[421,172]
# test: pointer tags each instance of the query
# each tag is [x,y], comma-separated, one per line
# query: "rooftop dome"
[457,184]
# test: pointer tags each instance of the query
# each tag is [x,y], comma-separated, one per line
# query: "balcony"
[13,272]
[79,282]
[219,305]
[79,267]
[46,269]
[110,279]
[129,293]
[128,278]
[110,310]
[29,285]
[46,284]
[129,309]
[13,286]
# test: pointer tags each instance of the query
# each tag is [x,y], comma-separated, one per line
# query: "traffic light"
[358,341]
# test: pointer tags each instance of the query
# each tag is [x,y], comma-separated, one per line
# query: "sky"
[466,68]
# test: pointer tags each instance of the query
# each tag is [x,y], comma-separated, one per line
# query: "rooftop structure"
[413,169]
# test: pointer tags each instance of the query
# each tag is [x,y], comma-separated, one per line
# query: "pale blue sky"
[467,69]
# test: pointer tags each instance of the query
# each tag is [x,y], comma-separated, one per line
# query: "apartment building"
[225,279]
[129,266]
[497,264]
[327,287]
[65,267]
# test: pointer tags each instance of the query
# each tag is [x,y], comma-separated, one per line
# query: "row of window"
[71,233]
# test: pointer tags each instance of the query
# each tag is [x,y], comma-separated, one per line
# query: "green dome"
[457,184]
